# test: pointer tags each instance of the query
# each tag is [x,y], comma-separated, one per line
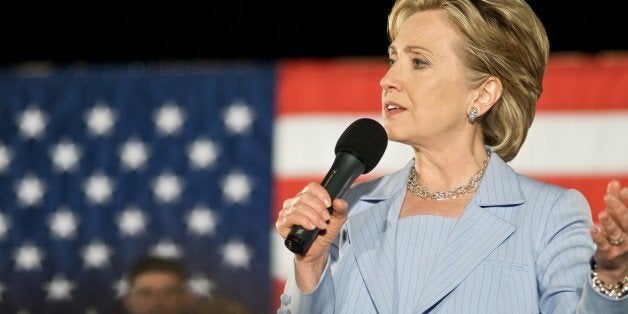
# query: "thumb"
[340,209]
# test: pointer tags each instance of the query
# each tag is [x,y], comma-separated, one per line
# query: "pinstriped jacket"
[520,246]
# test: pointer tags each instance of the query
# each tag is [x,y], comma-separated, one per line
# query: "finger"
[609,227]
[312,201]
[340,207]
[308,220]
[613,188]
[312,207]
[600,239]
[318,191]
[299,218]
[617,212]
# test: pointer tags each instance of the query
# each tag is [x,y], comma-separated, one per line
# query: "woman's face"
[425,95]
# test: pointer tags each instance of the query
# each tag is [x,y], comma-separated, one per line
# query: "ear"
[487,94]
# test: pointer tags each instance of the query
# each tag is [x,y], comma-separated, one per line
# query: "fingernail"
[327,202]
[326,215]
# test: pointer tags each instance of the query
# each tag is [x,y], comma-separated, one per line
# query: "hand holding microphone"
[358,150]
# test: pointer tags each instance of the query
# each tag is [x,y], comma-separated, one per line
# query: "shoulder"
[505,185]
[552,209]
[539,192]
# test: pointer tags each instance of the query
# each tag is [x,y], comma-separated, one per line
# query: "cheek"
[438,99]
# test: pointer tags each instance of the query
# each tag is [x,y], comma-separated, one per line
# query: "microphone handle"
[345,169]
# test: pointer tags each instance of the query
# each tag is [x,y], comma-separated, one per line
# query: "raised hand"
[611,254]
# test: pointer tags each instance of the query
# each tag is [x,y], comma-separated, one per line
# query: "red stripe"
[584,83]
[337,86]
[572,83]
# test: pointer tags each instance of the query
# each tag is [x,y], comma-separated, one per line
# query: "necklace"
[472,185]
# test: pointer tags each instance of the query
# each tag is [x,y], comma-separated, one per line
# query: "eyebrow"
[412,49]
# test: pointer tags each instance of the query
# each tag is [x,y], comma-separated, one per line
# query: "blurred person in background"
[158,286]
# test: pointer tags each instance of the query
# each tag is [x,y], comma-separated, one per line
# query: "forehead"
[430,29]
[157,280]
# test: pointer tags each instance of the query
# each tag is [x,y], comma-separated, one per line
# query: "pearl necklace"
[472,185]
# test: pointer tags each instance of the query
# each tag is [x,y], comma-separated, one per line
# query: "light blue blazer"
[520,246]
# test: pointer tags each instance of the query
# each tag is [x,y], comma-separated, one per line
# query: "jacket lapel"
[476,234]
[372,234]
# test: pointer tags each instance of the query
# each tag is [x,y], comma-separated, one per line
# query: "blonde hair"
[500,38]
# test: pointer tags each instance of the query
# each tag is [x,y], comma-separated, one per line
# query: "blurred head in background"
[157,286]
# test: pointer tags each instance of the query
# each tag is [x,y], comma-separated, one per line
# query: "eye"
[418,63]
[390,61]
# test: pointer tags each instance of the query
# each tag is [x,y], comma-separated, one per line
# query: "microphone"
[358,150]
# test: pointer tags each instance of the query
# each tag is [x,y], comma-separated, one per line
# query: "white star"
[5,224]
[202,153]
[63,224]
[134,154]
[100,119]
[59,288]
[236,254]
[167,187]
[5,158]
[132,221]
[200,285]
[98,188]
[65,156]
[32,122]
[201,221]
[28,257]
[238,117]
[166,248]
[169,118]
[236,187]
[96,255]
[122,287]
[30,190]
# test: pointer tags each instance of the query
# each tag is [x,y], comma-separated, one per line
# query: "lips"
[393,108]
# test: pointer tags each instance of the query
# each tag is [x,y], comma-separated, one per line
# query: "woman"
[457,230]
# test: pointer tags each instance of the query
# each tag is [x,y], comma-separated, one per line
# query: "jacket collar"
[499,185]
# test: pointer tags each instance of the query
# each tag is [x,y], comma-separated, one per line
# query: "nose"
[390,80]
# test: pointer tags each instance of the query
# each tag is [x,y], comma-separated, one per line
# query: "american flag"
[102,164]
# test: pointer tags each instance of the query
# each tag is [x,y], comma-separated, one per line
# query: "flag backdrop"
[102,164]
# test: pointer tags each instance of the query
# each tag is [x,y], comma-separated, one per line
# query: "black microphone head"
[365,139]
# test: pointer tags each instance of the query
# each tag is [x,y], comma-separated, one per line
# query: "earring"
[473,114]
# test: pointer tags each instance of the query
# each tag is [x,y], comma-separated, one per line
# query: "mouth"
[393,108]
